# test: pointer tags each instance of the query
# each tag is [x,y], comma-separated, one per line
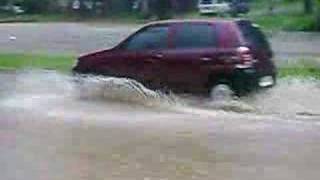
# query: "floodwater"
[53,127]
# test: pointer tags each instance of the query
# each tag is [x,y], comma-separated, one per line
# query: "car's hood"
[95,54]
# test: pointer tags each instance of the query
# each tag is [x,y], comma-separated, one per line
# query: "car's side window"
[190,35]
[151,38]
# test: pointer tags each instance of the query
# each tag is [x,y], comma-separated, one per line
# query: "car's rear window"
[253,35]
[206,1]
[188,35]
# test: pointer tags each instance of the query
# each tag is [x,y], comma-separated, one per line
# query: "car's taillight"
[244,55]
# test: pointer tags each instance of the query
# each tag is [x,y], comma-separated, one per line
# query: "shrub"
[35,6]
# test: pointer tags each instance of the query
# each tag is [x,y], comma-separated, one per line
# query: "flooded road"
[50,128]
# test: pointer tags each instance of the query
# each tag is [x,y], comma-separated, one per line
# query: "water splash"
[43,90]
[37,89]
[292,96]
[121,90]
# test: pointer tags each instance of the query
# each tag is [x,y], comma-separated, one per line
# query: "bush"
[3,2]
[114,7]
[35,6]
[162,9]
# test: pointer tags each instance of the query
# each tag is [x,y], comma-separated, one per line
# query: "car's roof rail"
[243,21]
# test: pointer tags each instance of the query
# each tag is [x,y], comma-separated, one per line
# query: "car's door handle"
[206,59]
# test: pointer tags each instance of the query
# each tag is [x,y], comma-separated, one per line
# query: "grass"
[126,18]
[300,72]
[63,63]
[288,16]
[35,18]
[301,68]
[295,22]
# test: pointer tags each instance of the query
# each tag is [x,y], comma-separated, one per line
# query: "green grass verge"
[21,61]
[63,63]
[288,16]
[122,18]
[300,72]
[295,22]
[301,68]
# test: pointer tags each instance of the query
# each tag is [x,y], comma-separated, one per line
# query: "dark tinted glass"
[206,2]
[254,36]
[149,39]
[195,36]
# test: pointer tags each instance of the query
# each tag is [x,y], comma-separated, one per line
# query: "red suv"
[189,56]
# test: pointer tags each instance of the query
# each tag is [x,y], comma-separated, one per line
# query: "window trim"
[123,44]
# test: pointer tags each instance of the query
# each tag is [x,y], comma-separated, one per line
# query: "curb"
[16,21]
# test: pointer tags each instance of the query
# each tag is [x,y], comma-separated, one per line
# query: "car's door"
[145,50]
[194,52]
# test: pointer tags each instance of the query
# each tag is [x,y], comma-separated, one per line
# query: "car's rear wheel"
[221,92]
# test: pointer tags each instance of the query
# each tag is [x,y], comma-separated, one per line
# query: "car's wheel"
[221,92]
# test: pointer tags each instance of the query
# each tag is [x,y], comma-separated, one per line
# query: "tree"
[3,2]
[317,15]
[35,6]
[308,6]
[271,6]
[162,8]
[145,7]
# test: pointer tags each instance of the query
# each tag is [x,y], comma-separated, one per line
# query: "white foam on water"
[291,97]
[55,93]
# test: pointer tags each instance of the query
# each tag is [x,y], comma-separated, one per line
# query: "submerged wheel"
[221,92]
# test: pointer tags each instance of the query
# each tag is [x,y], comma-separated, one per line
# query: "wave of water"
[291,96]
[40,91]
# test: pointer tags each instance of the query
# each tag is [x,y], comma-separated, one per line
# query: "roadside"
[80,38]
[61,63]
[55,46]
[286,16]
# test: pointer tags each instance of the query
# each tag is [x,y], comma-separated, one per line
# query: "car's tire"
[221,92]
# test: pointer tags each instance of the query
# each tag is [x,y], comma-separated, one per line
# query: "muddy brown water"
[117,129]
[51,128]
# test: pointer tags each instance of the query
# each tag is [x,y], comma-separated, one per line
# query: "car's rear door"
[194,51]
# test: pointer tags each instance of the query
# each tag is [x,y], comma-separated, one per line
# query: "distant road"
[78,38]
[61,37]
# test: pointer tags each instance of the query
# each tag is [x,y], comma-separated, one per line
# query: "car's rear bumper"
[248,79]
